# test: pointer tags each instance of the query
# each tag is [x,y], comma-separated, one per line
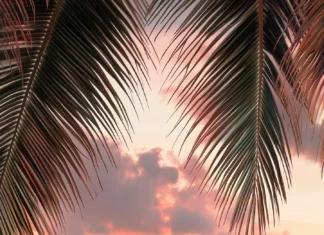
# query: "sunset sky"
[148,193]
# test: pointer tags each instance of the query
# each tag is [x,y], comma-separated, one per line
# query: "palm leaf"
[308,54]
[307,72]
[59,63]
[234,98]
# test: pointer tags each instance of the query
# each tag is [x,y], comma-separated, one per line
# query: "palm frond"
[307,72]
[233,97]
[60,61]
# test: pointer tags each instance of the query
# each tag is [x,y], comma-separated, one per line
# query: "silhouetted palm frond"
[234,95]
[60,63]
[306,73]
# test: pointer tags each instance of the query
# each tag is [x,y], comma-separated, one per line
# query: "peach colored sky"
[148,193]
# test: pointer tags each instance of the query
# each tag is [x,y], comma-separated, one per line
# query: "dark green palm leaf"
[58,63]
[234,97]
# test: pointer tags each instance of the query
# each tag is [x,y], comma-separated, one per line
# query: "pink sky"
[148,193]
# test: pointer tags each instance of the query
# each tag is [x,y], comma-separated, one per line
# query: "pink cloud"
[142,197]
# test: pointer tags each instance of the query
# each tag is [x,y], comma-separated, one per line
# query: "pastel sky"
[148,193]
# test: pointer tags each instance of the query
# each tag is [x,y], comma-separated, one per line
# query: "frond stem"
[31,82]
[260,77]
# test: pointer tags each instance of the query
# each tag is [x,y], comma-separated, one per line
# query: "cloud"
[147,195]
[184,220]
[194,211]
[129,203]
[152,170]
[140,196]
[98,229]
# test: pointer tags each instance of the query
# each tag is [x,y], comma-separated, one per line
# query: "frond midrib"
[30,85]
[260,81]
